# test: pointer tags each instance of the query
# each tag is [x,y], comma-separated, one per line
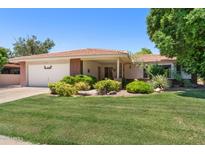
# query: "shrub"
[187,83]
[82,86]
[139,87]
[160,81]
[64,89]
[155,69]
[52,87]
[91,80]
[105,86]
[69,80]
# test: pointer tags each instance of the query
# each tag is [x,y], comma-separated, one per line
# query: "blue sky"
[78,28]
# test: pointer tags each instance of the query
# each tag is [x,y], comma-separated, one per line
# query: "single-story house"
[39,70]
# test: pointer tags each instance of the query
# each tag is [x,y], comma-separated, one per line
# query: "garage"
[42,74]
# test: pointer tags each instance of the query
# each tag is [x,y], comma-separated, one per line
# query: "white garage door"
[42,74]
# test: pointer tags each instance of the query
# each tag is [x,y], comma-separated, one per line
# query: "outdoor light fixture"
[47,67]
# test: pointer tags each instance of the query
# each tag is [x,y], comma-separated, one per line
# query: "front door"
[108,72]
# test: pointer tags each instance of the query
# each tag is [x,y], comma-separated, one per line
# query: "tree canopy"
[3,57]
[32,46]
[180,33]
[144,51]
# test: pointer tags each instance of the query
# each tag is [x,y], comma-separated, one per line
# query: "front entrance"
[109,72]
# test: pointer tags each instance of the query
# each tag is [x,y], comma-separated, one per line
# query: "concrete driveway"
[8,94]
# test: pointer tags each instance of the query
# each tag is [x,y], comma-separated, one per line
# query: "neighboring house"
[39,70]
[10,74]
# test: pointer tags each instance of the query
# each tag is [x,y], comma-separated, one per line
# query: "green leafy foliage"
[62,89]
[32,46]
[69,80]
[187,83]
[144,51]
[154,70]
[3,57]
[139,87]
[82,86]
[180,33]
[91,80]
[160,81]
[107,85]
[52,87]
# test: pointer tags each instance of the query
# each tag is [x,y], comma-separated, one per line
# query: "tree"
[144,51]
[10,53]
[3,57]
[180,33]
[135,56]
[32,46]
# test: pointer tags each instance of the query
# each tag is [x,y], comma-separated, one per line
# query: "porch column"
[122,70]
[118,68]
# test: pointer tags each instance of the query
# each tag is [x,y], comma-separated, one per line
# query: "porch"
[101,68]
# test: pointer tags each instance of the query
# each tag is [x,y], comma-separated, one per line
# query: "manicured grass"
[167,118]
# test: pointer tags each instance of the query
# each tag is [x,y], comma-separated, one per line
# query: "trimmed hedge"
[68,80]
[82,86]
[139,87]
[52,87]
[91,80]
[62,89]
[106,86]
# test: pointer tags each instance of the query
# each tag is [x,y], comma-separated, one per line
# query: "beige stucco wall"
[132,71]
[9,79]
[92,66]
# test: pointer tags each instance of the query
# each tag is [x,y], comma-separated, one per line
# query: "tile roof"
[80,52]
[12,65]
[153,58]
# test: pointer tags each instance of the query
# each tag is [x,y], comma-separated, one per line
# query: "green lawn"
[167,118]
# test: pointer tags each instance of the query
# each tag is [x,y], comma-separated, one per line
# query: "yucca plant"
[160,81]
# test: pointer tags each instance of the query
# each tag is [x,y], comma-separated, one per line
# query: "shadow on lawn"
[195,93]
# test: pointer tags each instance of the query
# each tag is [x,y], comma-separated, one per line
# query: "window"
[10,70]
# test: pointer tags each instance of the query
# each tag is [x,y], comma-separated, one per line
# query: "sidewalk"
[4,140]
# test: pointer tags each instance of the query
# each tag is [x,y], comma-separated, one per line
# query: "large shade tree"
[180,33]
[32,46]
[3,57]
